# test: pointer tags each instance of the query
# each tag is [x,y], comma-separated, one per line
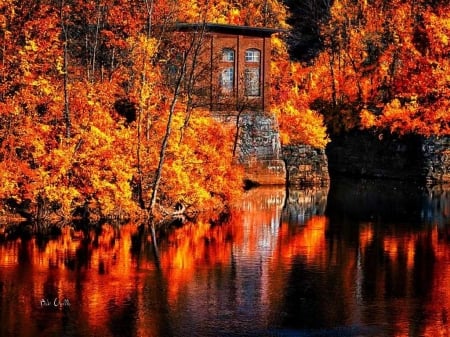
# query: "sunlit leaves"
[201,175]
[298,123]
[385,66]
[88,56]
[409,117]
[260,13]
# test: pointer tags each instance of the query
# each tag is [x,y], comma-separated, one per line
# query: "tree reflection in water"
[360,258]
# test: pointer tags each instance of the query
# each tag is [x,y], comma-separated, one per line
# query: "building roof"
[227,29]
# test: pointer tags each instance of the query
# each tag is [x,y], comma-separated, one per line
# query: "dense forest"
[375,64]
[89,125]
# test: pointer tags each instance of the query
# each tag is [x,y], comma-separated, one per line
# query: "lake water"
[361,258]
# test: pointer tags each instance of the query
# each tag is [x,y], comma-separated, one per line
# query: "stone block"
[305,168]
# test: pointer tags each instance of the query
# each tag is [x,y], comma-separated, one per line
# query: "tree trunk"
[162,152]
[168,131]
[66,113]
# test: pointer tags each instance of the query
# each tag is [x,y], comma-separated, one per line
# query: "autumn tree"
[259,13]
[104,62]
[91,124]
[417,82]
[291,83]
[382,67]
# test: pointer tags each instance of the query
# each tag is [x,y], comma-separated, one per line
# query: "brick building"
[232,66]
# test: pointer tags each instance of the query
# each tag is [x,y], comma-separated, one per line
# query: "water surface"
[361,258]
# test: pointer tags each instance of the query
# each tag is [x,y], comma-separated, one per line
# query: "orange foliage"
[298,123]
[385,66]
[259,13]
[85,105]
[104,64]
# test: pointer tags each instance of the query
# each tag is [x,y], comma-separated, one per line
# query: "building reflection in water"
[369,258]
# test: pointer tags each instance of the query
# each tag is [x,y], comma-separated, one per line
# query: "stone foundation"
[306,165]
[258,137]
[259,148]
[269,163]
[266,171]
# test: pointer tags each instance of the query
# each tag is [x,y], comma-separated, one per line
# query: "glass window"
[252,55]
[228,55]
[227,80]
[252,87]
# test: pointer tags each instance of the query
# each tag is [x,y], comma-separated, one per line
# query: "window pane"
[252,82]
[252,55]
[227,80]
[228,55]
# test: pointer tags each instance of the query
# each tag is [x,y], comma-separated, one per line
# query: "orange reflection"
[250,234]
[309,241]
[94,273]
[439,325]
[365,235]
[415,257]
[393,246]
[103,280]
[192,247]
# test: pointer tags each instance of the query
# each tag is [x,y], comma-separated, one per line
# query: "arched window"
[252,77]
[228,55]
[252,55]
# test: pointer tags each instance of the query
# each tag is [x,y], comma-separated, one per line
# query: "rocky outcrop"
[306,165]
[269,163]
[356,154]
[412,157]
[436,160]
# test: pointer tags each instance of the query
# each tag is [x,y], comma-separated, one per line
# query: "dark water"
[358,259]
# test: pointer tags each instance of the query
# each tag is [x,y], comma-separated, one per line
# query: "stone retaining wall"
[436,155]
[258,137]
[306,165]
[266,161]
[412,157]
[259,148]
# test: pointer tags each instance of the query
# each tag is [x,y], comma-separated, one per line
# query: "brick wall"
[214,43]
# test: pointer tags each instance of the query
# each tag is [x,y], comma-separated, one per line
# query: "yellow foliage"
[290,104]
[278,45]
[393,106]
[303,126]
[31,46]
[107,154]
[368,120]
[200,171]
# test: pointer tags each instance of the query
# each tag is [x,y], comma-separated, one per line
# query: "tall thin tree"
[66,113]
